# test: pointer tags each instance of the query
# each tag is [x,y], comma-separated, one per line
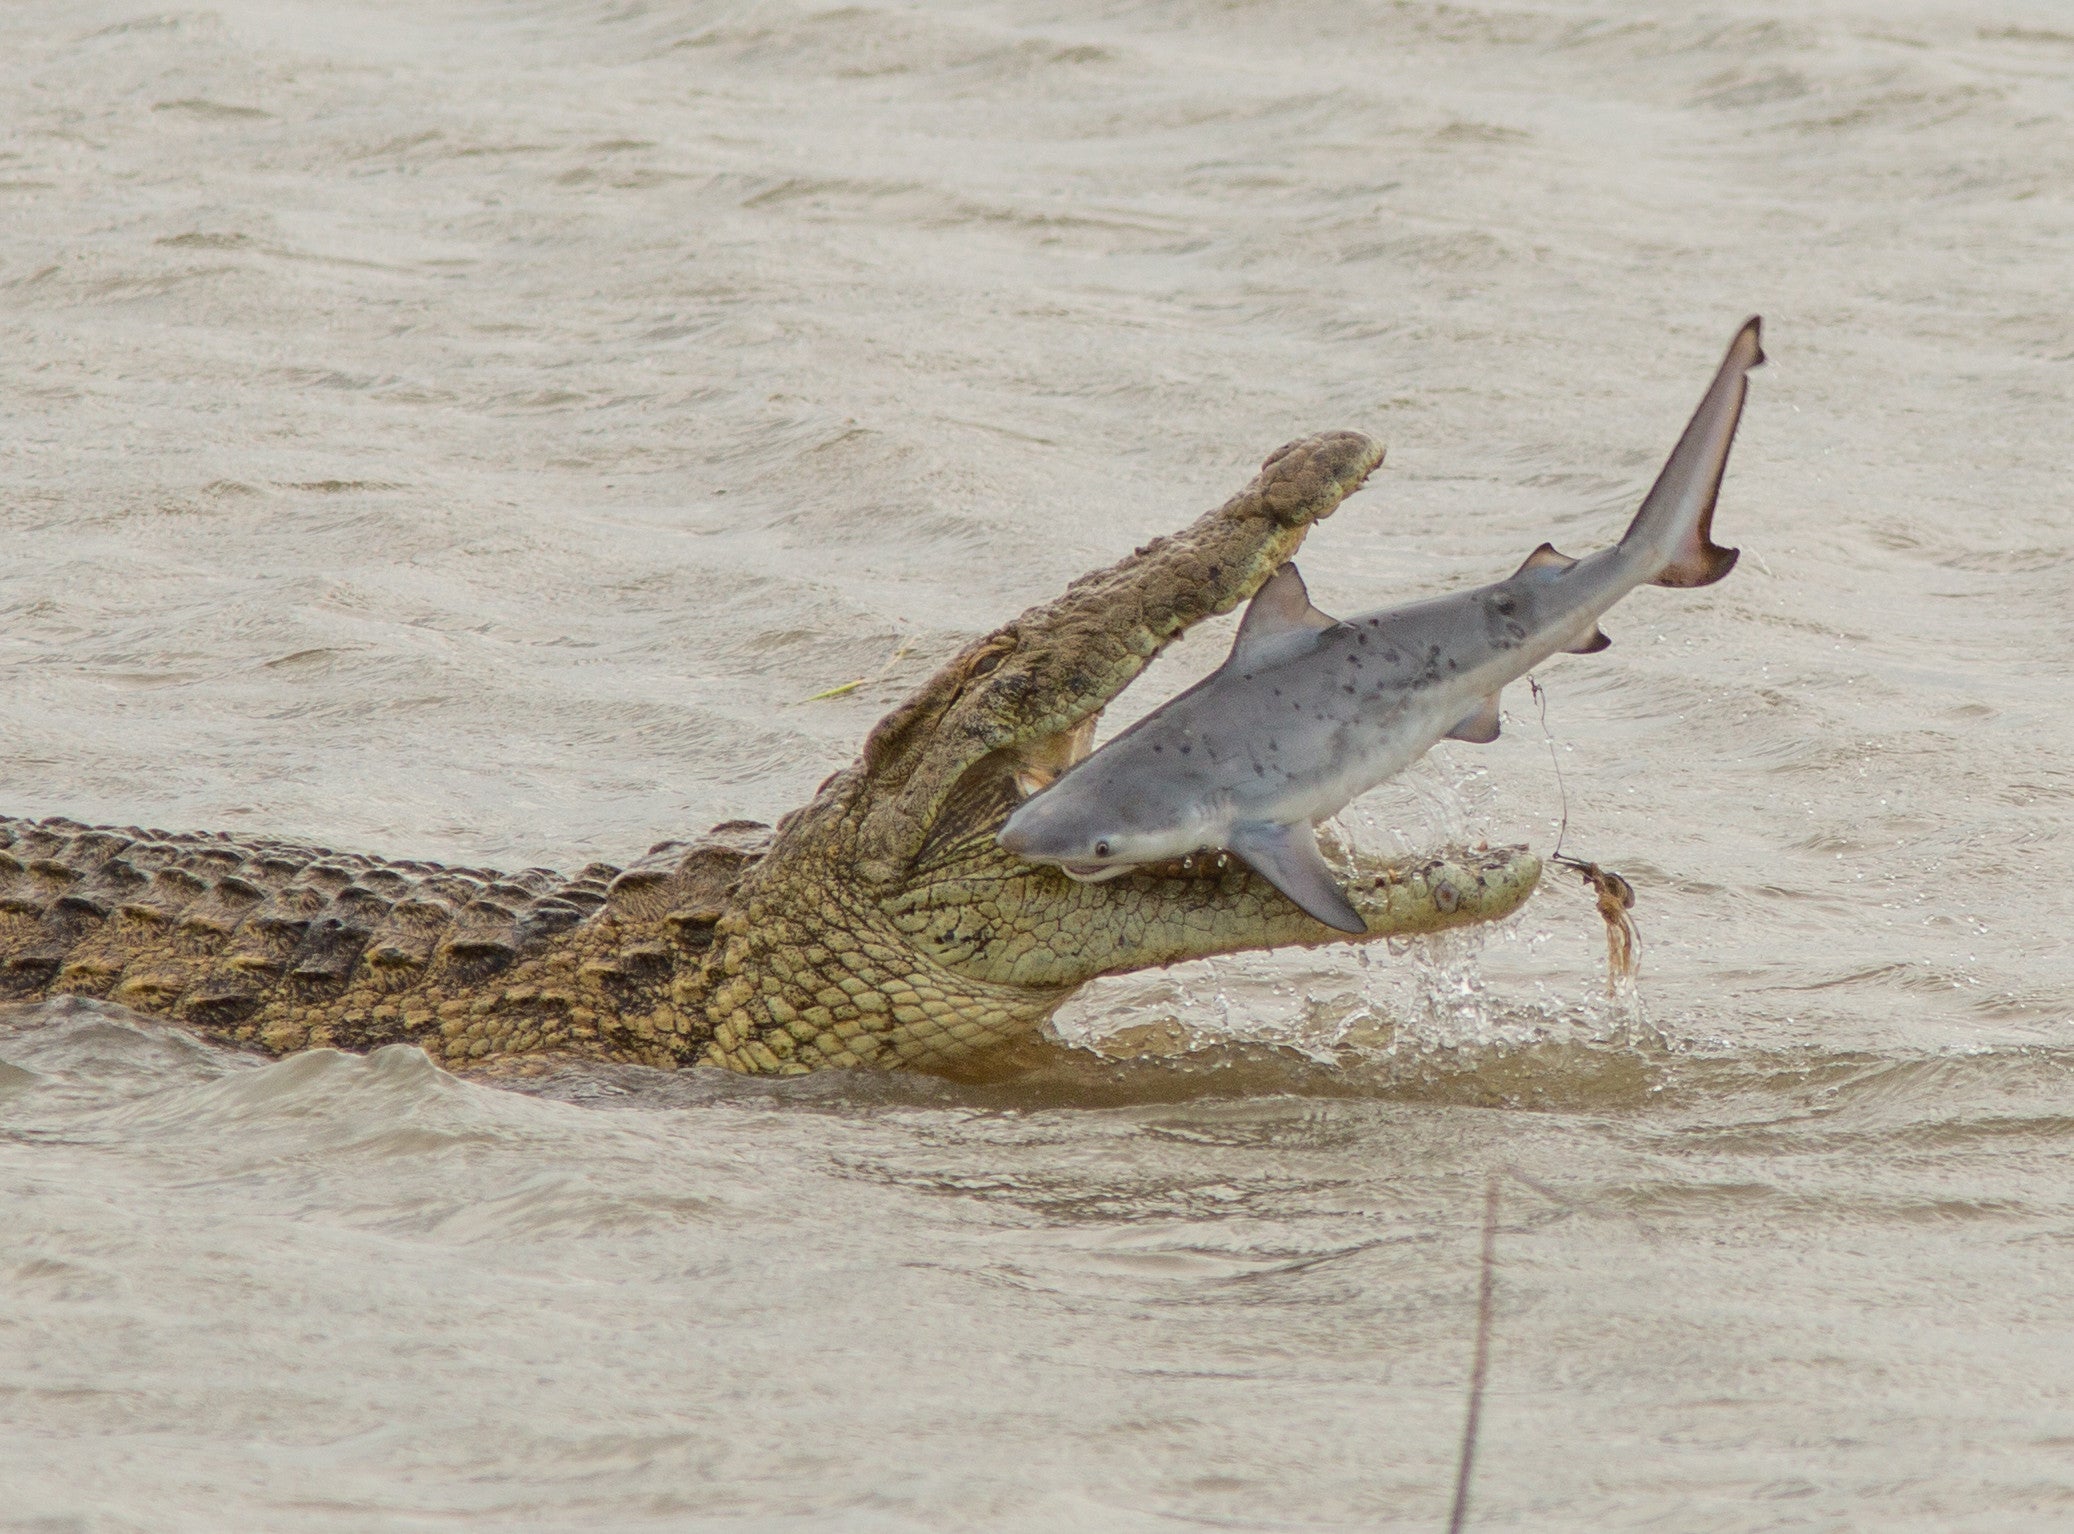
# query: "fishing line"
[1615,896]
[1562,792]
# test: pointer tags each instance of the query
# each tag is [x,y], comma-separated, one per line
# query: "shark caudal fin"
[1677,519]
[1287,857]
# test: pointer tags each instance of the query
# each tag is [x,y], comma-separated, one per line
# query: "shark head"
[1086,835]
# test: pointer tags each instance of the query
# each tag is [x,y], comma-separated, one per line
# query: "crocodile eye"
[986,663]
[1101,849]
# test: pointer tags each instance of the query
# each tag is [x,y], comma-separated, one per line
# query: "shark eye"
[1101,849]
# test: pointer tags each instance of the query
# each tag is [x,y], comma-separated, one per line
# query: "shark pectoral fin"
[1279,610]
[1591,644]
[1288,858]
[1545,558]
[1480,725]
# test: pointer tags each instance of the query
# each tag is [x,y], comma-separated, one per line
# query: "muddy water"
[478,431]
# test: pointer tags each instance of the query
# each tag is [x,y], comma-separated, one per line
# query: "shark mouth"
[1205,863]
[1096,873]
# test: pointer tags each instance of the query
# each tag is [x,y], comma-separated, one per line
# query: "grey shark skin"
[1309,712]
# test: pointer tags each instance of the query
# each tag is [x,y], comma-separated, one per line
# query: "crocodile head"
[887,926]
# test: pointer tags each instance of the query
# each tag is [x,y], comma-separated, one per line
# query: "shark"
[1308,711]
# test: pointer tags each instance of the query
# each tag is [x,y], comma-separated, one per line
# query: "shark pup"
[1309,712]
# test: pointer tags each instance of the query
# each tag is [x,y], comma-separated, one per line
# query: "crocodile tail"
[285,946]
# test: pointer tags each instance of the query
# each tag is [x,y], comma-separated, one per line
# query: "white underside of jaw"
[1095,873]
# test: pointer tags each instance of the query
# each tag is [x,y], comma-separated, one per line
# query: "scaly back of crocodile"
[287,947]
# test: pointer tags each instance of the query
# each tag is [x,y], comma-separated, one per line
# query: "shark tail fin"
[1676,521]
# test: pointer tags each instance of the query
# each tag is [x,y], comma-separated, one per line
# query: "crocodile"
[879,925]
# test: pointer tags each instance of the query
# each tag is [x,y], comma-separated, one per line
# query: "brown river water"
[478,430]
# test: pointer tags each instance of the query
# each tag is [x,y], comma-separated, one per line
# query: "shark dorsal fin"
[1545,558]
[1277,619]
[1549,557]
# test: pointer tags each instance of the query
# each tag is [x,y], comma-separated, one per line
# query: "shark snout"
[1024,833]
[1035,831]
[1051,829]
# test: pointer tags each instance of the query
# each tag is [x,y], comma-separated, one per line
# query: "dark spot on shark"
[1187,750]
